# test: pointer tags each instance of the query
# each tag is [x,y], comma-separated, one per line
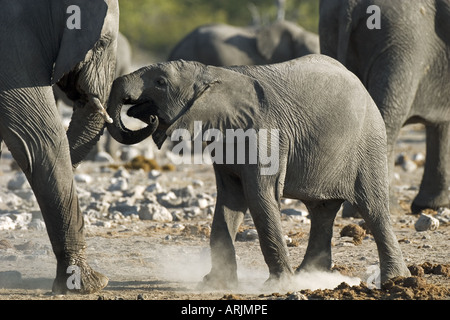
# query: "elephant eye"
[161,82]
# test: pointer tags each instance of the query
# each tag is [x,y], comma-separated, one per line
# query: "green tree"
[157,25]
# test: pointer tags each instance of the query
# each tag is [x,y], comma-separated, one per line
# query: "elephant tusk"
[100,109]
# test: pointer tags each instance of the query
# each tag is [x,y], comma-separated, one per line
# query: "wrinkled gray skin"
[123,66]
[332,147]
[406,68]
[224,45]
[37,50]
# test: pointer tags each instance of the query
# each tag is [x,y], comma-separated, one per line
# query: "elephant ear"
[213,107]
[83,24]
[274,38]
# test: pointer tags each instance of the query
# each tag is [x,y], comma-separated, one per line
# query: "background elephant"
[71,44]
[331,147]
[123,66]
[405,66]
[224,45]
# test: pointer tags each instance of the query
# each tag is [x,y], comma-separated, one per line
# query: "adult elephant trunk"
[126,91]
[88,85]
[85,129]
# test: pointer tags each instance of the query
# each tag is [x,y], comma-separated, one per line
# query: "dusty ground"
[167,260]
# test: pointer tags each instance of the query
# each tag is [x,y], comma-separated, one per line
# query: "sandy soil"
[153,260]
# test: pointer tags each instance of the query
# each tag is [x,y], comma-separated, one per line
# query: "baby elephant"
[311,112]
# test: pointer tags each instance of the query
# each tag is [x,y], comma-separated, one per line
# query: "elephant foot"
[74,275]
[279,282]
[400,270]
[215,280]
[422,202]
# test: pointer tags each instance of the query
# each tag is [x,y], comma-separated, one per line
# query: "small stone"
[419,159]
[118,184]
[197,183]
[409,166]
[426,222]
[250,235]
[153,174]
[19,181]
[6,223]
[155,188]
[103,156]
[122,173]
[154,212]
[83,178]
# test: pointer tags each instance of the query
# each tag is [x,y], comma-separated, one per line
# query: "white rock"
[156,188]
[6,223]
[21,219]
[122,173]
[197,183]
[153,174]
[409,165]
[426,222]
[37,224]
[443,215]
[26,194]
[103,156]
[83,178]
[118,184]
[250,234]
[19,181]
[202,203]
[152,211]
[418,157]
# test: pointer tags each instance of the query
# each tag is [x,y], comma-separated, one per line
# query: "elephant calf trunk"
[117,129]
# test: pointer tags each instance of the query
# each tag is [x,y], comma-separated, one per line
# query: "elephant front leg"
[433,192]
[229,213]
[40,147]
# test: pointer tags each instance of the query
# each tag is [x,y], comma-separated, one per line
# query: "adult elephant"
[71,43]
[405,66]
[225,45]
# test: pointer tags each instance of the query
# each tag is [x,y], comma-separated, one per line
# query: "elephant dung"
[426,222]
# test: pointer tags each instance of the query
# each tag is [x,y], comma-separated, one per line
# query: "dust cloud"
[189,265]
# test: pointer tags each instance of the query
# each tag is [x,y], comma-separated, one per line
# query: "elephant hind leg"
[433,192]
[318,252]
[372,200]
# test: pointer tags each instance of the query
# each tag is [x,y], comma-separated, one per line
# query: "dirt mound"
[354,231]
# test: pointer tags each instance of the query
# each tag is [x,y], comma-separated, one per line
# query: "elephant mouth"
[146,111]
